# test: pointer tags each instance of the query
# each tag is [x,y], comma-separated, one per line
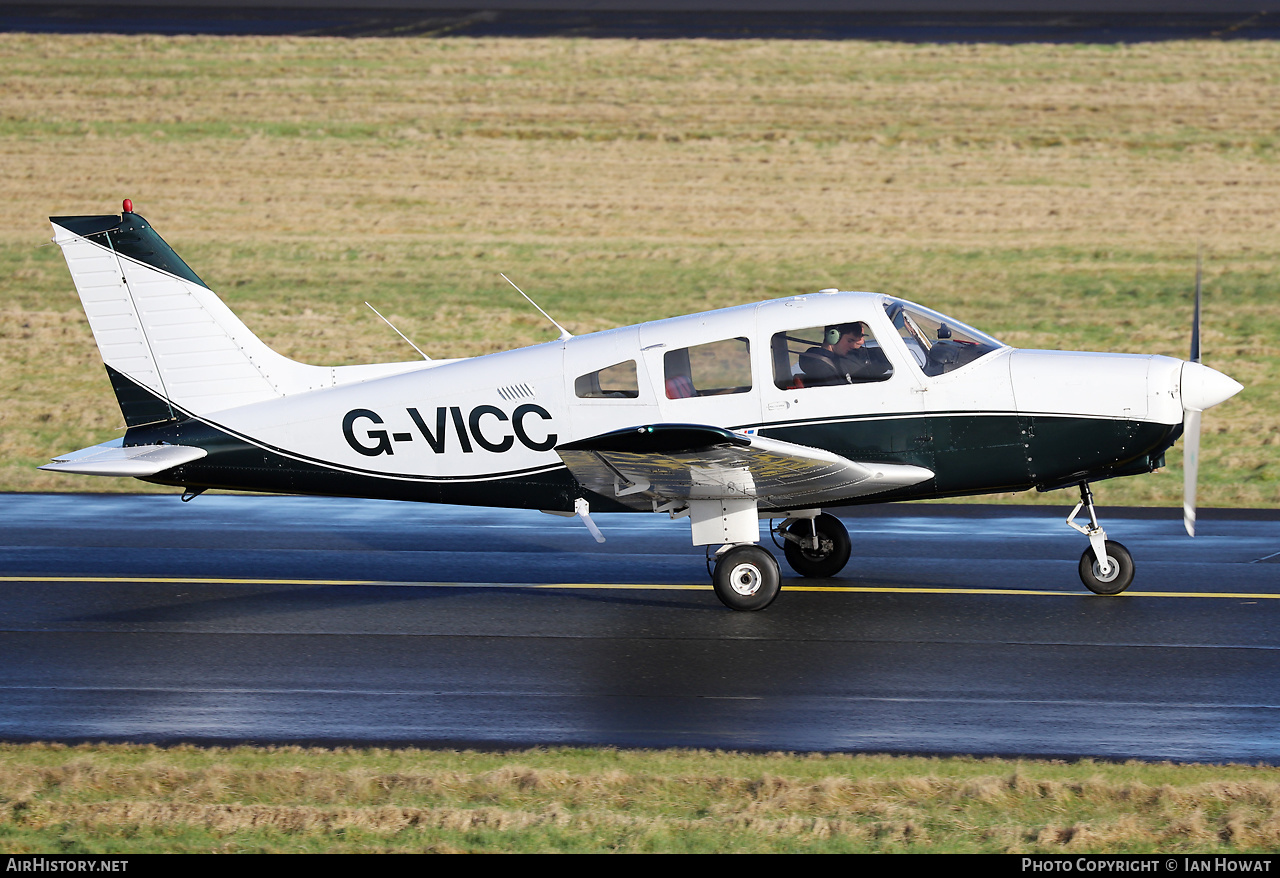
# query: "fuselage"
[982,416]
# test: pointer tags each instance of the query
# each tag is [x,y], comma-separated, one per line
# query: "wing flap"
[664,462]
[112,459]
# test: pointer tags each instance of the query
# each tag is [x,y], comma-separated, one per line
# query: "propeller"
[1191,425]
[1202,388]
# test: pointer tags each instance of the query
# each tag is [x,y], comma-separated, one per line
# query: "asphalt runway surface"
[928,21]
[956,629]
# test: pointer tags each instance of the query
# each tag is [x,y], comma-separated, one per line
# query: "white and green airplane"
[774,410]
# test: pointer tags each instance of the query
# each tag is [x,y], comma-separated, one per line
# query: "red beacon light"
[128,205]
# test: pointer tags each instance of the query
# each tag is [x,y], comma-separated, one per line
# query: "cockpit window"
[821,356]
[938,343]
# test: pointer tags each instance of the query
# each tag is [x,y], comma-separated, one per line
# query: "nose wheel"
[1111,577]
[1106,567]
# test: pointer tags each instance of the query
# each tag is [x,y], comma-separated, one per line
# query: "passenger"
[680,387]
[842,358]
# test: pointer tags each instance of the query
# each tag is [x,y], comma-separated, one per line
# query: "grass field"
[1052,195]
[132,799]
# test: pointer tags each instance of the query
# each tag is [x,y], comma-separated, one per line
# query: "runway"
[922,21]
[956,629]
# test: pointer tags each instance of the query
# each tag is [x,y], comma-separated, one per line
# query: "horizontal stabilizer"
[112,459]
[664,462]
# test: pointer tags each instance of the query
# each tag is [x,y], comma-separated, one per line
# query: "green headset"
[833,333]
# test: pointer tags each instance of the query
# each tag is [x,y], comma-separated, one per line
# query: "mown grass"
[1053,195]
[138,799]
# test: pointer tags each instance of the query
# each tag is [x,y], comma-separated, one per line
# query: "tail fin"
[160,329]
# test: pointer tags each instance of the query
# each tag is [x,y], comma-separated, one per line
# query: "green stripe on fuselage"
[977,453]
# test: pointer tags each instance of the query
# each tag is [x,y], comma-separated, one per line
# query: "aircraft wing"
[113,459]
[674,462]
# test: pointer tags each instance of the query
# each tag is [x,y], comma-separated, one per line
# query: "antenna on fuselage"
[564,333]
[398,332]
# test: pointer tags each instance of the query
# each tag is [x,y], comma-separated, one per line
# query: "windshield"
[939,343]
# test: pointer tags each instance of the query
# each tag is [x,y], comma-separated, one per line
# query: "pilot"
[842,358]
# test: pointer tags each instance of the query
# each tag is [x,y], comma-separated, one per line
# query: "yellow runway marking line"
[1126,594]
[191,580]
[921,590]
[622,586]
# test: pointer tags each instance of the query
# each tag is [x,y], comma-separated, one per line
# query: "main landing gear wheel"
[831,554]
[1117,577]
[746,578]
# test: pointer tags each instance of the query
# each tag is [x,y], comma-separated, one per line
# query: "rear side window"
[713,369]
[612,382]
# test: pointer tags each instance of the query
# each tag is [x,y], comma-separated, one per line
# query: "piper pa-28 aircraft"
[773,410]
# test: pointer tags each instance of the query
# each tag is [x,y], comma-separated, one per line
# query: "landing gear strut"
[1106,567]
[745,576]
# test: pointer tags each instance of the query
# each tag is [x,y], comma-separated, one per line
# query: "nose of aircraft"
[1204,388]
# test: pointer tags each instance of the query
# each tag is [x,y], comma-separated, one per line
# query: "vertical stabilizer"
[160,328]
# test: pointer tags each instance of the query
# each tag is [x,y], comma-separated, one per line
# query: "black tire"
[746,578]
[833,552]
[1118,580]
